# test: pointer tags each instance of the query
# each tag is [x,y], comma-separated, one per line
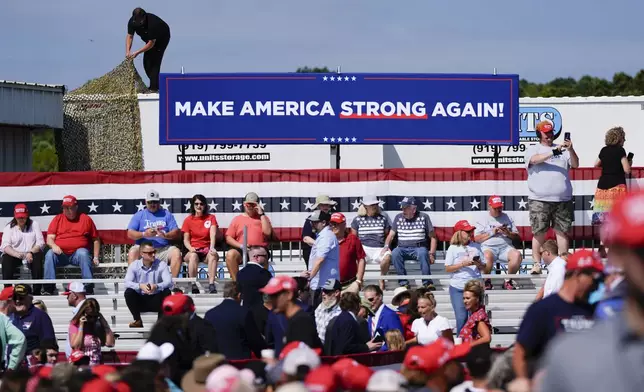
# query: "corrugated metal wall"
[31,105]
[15,149]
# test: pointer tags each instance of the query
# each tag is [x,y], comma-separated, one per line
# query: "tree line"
[45,158]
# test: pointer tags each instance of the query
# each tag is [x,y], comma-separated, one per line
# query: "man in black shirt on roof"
[156,35]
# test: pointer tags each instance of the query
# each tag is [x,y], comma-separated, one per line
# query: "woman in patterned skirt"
[612,182]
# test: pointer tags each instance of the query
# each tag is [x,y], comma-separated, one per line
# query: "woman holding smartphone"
[89,331]
[615,165]
[200,233]
[464,262]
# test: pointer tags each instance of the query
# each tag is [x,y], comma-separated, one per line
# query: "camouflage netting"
[102,123]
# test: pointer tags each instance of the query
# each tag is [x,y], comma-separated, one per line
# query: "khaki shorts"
[163,254]
[547,214]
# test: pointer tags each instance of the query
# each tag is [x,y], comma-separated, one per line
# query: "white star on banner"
[93,207]
[236,206]
[326,139]
[427,204]
[339,78]
[451,204]
[325,78]
[262,204]
[356,204]
[212,206]
[346,78]
[332,78]
[353,78]
[592,203]
[522,203]
[187,205]
[475,203]
[332,139]
[45,208]
[353,139]
[346,139]
[308,205]
[284,205]
[117,207]
[339,140]
[165,205]
[381,203]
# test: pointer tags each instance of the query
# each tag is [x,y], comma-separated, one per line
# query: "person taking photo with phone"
[615,165]
[550,199]
[464,262]
[89,331]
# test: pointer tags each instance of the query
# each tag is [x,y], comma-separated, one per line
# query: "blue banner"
[338,109]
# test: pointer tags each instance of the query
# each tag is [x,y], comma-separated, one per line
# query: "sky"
[72,41]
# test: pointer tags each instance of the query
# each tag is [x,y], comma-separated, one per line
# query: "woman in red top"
[200,233]
[477,329]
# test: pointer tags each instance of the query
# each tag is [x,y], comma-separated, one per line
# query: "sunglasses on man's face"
[370,299]
[152,202]
[151,252]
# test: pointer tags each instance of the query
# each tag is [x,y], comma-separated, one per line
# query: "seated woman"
[477,330]
[89,331]
[22,243]
[200,233]
[430,326]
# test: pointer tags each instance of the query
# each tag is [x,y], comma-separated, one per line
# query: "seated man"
[496,235]
[416,240]
[148,282]
[69,236]
[259,232]
[157,226]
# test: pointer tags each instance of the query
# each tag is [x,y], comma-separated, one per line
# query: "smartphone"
[378,338]
[630,156]
[567,136]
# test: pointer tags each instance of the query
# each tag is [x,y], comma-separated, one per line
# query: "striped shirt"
[413,232]
[371,229]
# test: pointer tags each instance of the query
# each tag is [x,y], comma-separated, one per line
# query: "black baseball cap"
[22,290]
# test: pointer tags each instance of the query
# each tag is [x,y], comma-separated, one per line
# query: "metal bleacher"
[506,308]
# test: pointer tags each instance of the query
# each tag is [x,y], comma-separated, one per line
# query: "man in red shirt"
[352,256]
[69,236]
[259,232]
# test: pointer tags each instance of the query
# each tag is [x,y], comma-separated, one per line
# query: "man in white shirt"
[556,270]
[496,235]
[75,297]
[550,190]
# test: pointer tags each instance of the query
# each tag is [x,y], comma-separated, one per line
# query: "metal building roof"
[31,105]
[28,84]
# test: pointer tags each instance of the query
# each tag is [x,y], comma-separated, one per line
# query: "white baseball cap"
[386,380]
[152,352]
[152,195]
[74,287]
[301,356]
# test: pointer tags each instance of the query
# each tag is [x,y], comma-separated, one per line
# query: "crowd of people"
[283,329]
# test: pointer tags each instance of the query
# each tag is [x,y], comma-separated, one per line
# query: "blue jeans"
[81,258]
[400,254]
[456,298]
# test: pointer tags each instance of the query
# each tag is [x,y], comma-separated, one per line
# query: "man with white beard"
[329,308]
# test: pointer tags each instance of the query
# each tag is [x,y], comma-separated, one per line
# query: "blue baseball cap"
[408,201]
